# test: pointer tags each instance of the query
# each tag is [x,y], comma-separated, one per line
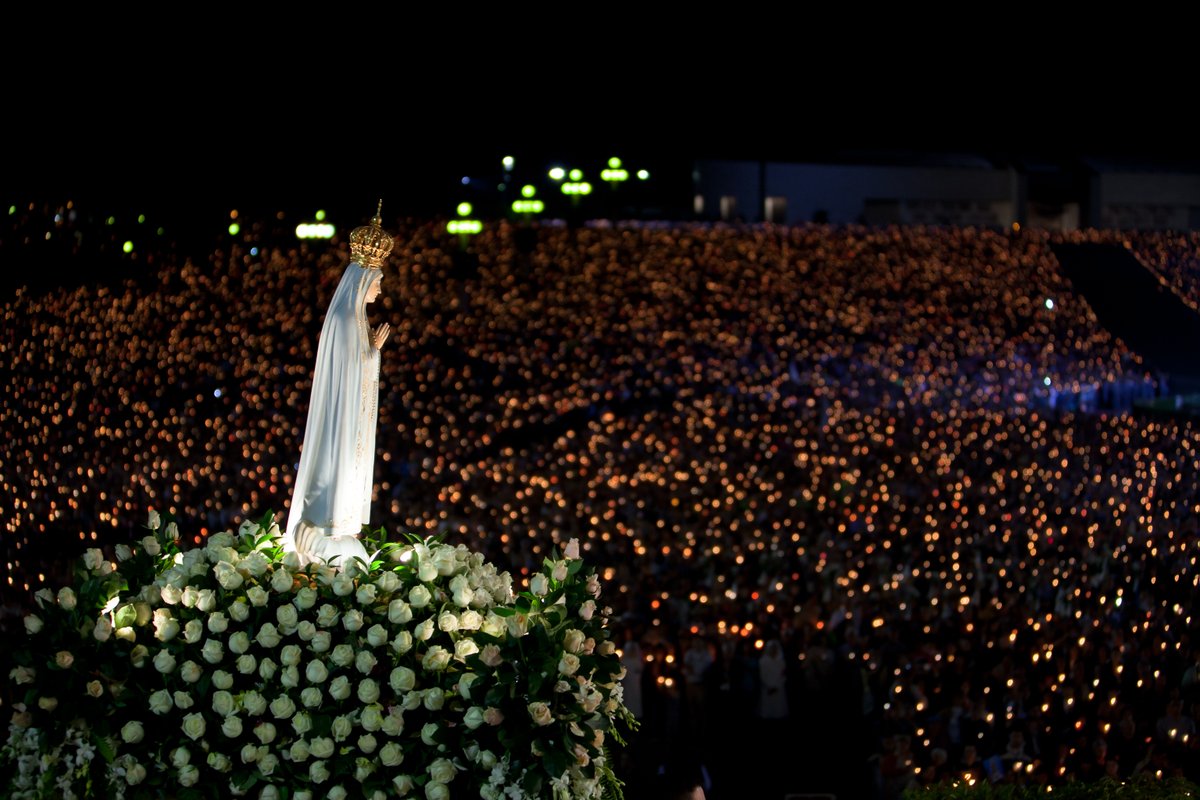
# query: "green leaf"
[103,747]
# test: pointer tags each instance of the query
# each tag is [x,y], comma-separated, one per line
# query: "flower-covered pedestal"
[227,670]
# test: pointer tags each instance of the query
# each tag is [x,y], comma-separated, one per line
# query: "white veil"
[332,494]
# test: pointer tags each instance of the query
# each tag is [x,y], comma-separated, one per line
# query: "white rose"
[217,622]
[465,682]
[183,700]
[194,726]
[66,599]
[426,571]
[227,575]
[442,770]
[47,703]
[249,753]
[540,714]
[493,625]
[164,662]
[327,616]
[470,620]
[607,648]
[213,651]
[390,755]
[306,631]
[151,546]
[429,733]
[93,558]
[372,718]
[388,582]
[166,627]
[153,521]
[337,793]
[265,732]
[254,703]
[95,689]
[424,631]
[188,775]
[464,648]
[419,597]
[490,655]
[180,757]
[257,596]
[289,655]
[266,669]
[238,644]
[282,707]
[339,688]
[223,703]
[402,643]
[190,671]
[266,765]
[342,655]
[239,611]
[246,664]
[352,620]
[559,572]
[282,580]
[299,750]
[399,612]
[539,585]
[342,585]
[316,671]
[193,631]
[321,641]
[138,655]
[402,679]
[311,697]
[411,700]
[305,598]
[473,718]
[268,636]
[433,699]
[587,610]
[102,630]
[437,791]
[593,586]
[290,677]
[160,702]
[269,792]
[321,747]
[568,664]
[302,723]
[366,742]
[255,564]
[437,658]
[64,659]
[189,596]
[377,636]
[341,728]
[317,773]
[222,679]
[447,621]
[403,784]
[365,662]
[248,528]
[366,594]
[232,727]
[573,641]
[518,625]
[493,716]
[288,617]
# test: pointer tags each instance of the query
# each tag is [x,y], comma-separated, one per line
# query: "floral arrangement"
[229,670]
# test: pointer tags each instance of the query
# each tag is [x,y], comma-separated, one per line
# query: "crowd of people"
[802,457]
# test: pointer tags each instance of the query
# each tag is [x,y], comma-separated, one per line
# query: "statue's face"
[373,290]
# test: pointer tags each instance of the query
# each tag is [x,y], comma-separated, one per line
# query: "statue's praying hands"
[380,335]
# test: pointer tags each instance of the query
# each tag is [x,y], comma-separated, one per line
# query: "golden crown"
[371,244]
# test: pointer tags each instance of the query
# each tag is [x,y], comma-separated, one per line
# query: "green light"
[464,226]
[508,162]
[585,188]
[161,231]
[528,206]
[12,210]
[234,228]
[320,215]
[141,219]
[576,174]
[314,230]
[464,209]
[128,247]
[616,175]
[643,174]
[614,163]
[528,191]
[556,174]
[111,221]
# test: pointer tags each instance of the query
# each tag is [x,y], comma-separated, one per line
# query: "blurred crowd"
[802,457]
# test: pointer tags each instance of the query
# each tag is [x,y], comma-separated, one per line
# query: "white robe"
[331,500]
